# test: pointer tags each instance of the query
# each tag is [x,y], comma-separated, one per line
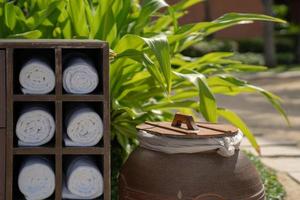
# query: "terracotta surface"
[202,176]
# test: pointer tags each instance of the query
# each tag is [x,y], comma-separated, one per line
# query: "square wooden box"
[11,54]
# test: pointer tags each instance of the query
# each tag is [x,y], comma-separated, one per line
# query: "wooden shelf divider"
[34,151]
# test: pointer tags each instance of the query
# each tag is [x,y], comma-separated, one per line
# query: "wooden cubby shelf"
[12,54]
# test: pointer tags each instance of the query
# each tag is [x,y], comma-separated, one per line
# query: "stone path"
[282,156]
[280,144]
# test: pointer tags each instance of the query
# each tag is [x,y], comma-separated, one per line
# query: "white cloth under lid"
[36,77]
[35,127]
[36,179]
[83,180]
[84,127]
[80,76]
[225,146]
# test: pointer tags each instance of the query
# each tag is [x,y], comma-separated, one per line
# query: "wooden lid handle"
[186,119]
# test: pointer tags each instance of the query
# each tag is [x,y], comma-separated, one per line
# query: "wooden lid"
[190,129]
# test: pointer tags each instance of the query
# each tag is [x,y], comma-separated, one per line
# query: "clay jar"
[150,174]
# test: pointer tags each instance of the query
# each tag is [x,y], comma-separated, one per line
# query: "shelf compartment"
[97,159]
[68,107]
[18,162]
[21,56]
[93,56]
[21,106]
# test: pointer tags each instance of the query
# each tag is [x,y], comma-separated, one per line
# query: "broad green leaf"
[65,25]
[123,140]
[160,47]
[227,80]
[209,58]
[274,100]
[10,15]
[231,19]
[148,8]
[136,55]
[184,4]
[77,15]
[122,14]
[109,28]
[208,105]
[238,122]
[39,17]
[241,17]
[27,35]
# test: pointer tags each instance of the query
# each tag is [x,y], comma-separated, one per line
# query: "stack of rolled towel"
[84,127]
[83,180]
[80,76]
[35,126]
[36,179]
[37,77]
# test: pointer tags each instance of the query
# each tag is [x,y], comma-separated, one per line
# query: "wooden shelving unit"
[10,52]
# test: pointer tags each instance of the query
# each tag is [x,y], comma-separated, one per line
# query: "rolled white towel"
[224,146]
[35,127]
[80,76]
[36,179]
[83,180]
[37,77]
[84,128]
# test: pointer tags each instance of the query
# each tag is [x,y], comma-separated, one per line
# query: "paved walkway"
[284,157]
[279,143]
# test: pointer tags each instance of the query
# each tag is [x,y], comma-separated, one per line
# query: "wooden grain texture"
[2,89]
[106,116]
[58,149]
[205,130]
[83,151]
[10,125]
[51,43]
[33,151]
[2,163]
[59,99]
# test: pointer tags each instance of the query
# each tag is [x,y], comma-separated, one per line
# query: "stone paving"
[280,144]
[282,156]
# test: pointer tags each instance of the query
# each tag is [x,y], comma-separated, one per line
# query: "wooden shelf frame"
[58,150]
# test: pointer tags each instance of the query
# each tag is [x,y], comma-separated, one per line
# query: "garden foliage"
[149,77]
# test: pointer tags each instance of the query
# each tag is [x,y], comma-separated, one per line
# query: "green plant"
[149,77]
[274,190]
